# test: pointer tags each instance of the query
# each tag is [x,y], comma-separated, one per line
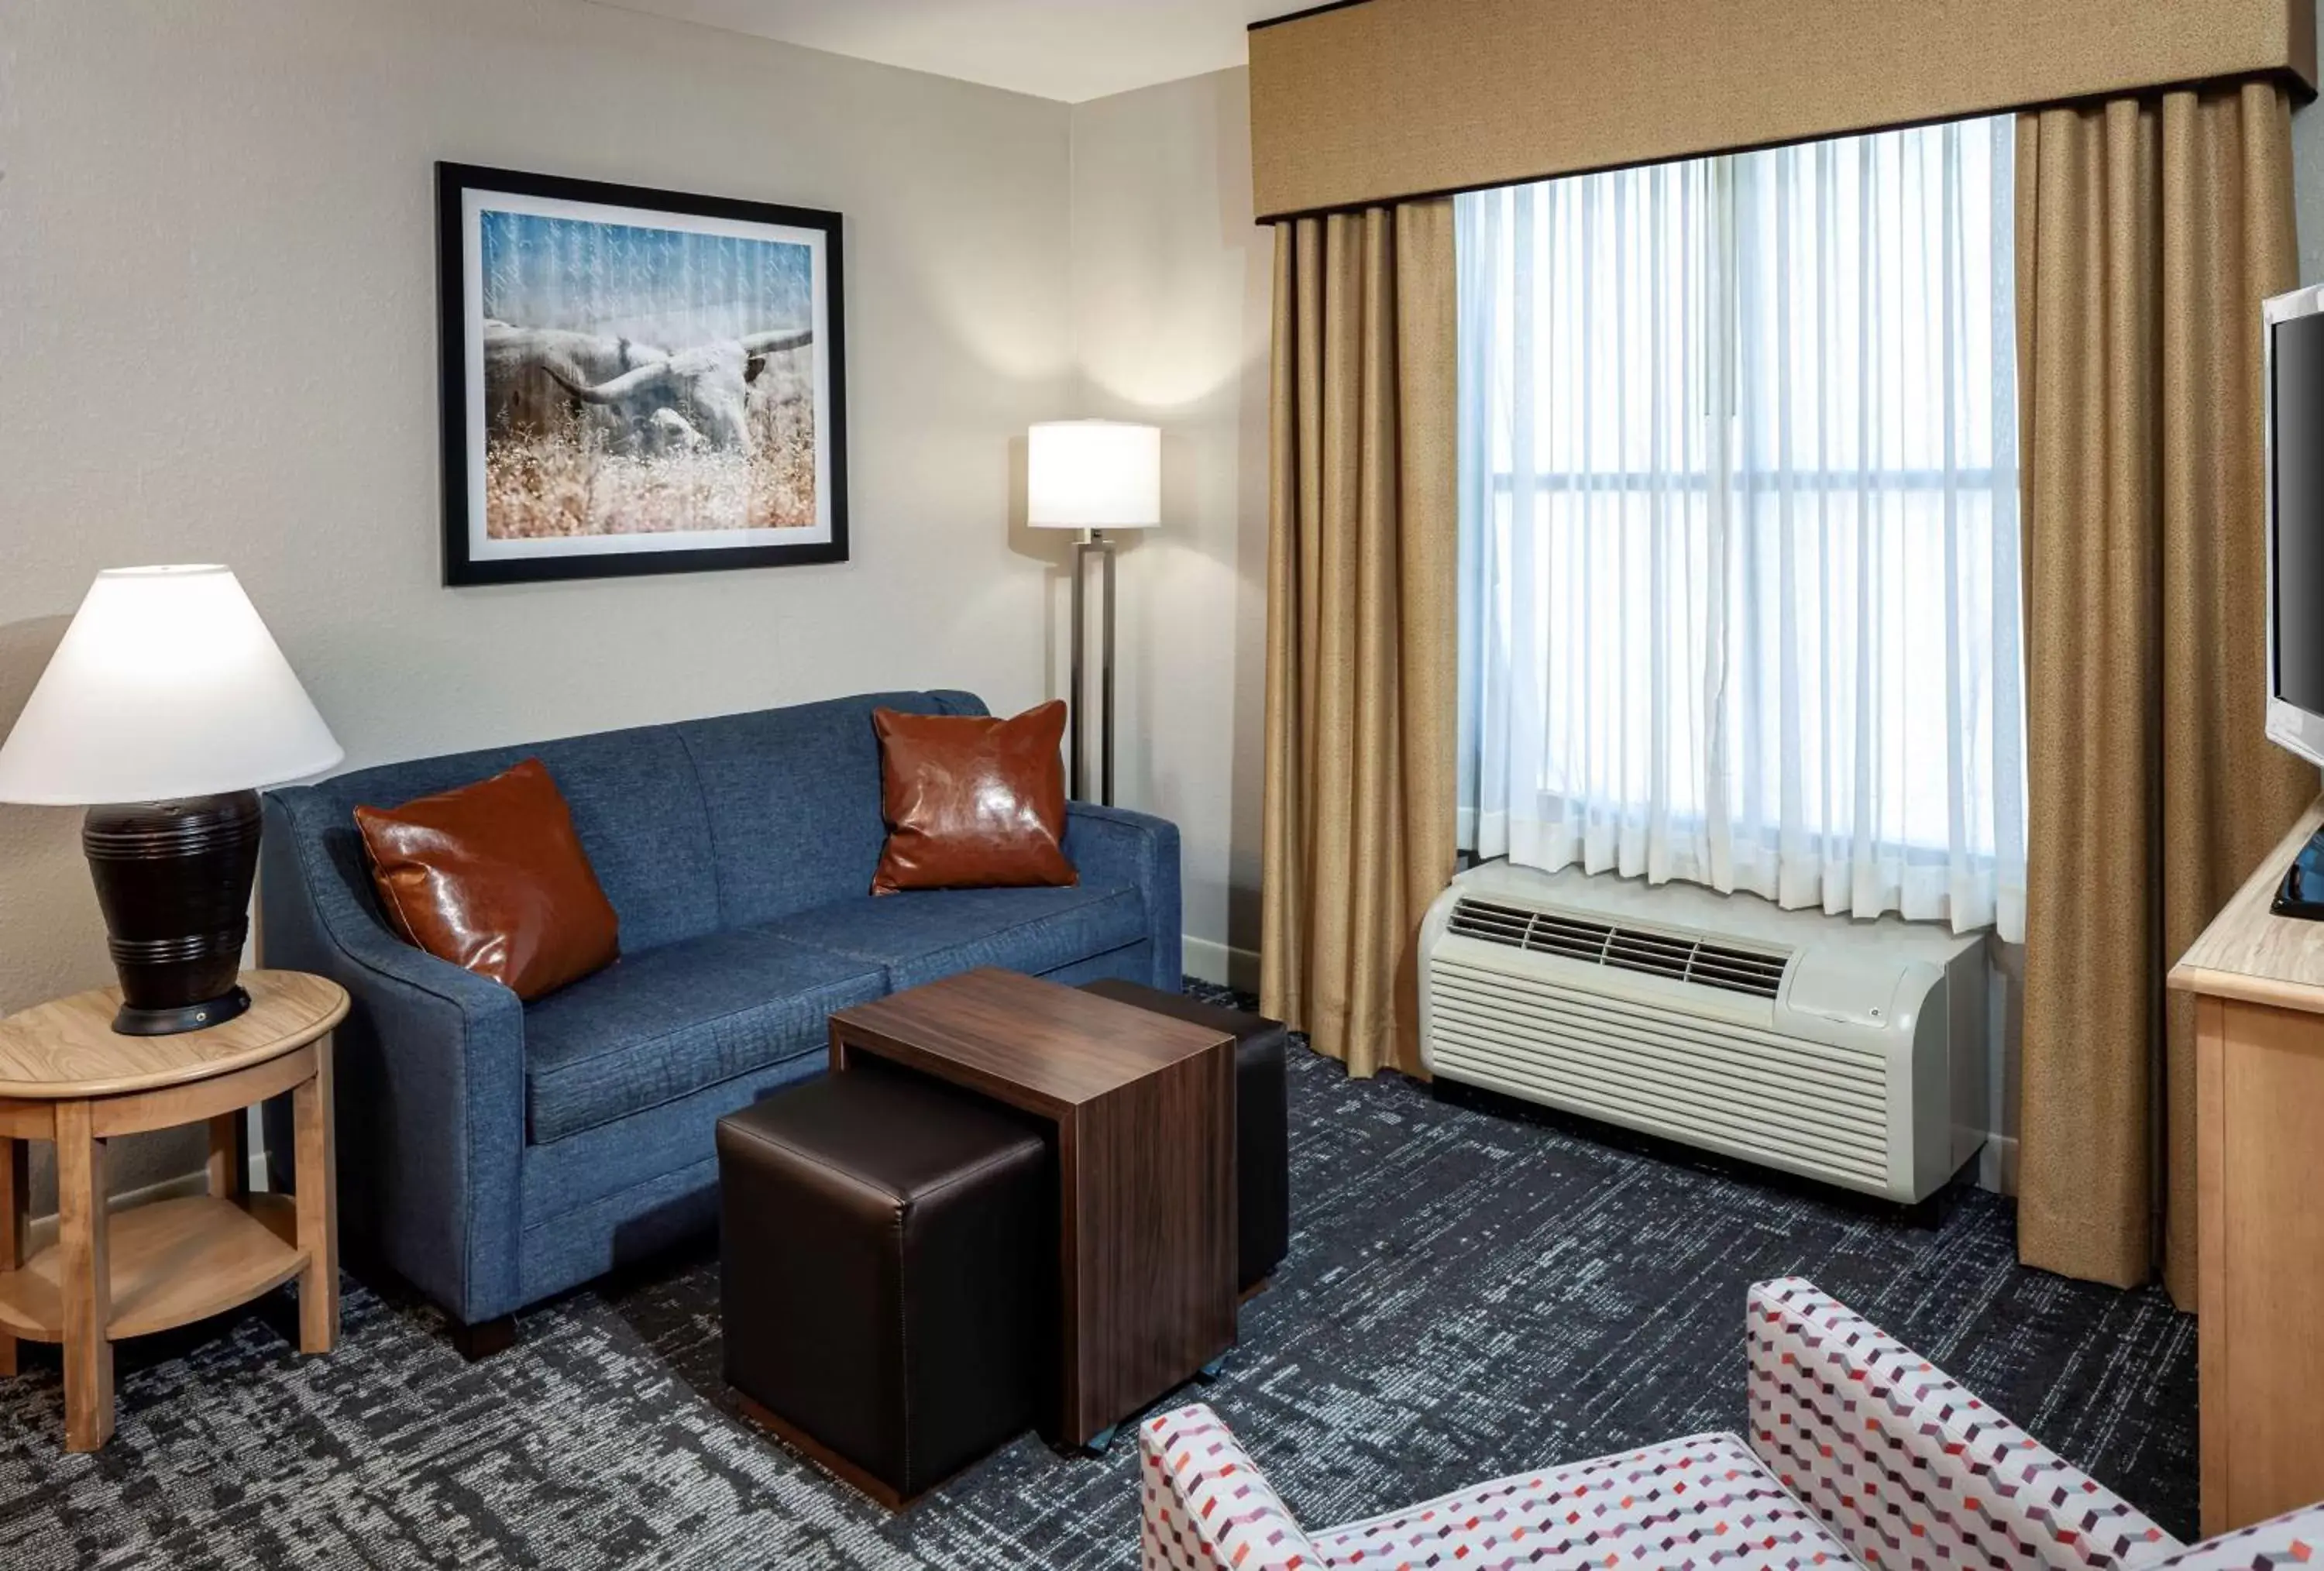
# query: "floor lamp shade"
[1093,476]
[165,708]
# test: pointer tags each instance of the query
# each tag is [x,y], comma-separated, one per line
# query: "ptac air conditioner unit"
[1849,1051]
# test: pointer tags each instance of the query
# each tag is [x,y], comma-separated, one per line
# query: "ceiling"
[1069,49]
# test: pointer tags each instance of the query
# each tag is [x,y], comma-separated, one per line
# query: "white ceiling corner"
[1068,50]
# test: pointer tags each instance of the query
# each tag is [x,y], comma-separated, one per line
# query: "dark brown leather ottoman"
[1262,1121]
[886,1275]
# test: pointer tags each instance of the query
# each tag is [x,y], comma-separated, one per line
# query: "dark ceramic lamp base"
[173,880]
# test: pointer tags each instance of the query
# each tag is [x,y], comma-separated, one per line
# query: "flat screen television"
[2294,330]
[2295,523]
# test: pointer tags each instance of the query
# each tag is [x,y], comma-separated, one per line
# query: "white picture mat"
[473,205]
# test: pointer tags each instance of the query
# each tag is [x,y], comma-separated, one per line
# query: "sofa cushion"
[793,799]
[921,935]
[658,1026]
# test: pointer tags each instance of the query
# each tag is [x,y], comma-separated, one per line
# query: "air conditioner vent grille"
[1727,967]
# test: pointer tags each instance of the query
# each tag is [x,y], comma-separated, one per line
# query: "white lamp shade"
[167,685]
[1094,474]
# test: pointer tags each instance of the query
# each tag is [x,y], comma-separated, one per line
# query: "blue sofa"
[494,1152]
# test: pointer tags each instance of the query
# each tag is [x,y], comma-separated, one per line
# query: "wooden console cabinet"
[2258,981]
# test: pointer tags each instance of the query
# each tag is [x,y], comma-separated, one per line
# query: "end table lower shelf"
[172,1262]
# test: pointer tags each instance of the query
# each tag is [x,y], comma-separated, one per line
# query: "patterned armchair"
[1861,1453]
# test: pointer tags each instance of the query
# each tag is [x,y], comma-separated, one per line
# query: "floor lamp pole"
[1092,543]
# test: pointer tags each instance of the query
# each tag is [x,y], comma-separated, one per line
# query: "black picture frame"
[465,438]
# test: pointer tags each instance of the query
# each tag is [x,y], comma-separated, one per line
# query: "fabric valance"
[1384,100]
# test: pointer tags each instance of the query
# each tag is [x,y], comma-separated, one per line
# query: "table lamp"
[1093,475]
[166,706]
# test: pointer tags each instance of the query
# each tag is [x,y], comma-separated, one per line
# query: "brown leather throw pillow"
[491,876]
[972,801]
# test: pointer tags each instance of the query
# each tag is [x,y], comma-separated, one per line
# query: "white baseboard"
[1221,965]
[1997,1164]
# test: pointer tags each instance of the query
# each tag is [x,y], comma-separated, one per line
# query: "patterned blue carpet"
[1468,1294]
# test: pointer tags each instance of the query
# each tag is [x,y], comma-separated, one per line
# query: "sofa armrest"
[1113,845]
[2293,1539]
[1904,1464]
[429,1064]
[1204,1506]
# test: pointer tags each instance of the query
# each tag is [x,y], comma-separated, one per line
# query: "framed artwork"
[636,381]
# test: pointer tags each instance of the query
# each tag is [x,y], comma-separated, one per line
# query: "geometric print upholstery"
[1703,1501]
[1204,1506]
[1909,1469]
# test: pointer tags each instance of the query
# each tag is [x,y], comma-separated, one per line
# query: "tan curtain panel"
[1362,625]
[2149,230]
[1394,100]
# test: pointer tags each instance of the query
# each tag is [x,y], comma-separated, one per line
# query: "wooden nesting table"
[65,1076]
[1142,1109]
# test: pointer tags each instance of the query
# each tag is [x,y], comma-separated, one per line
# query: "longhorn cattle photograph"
[636,381]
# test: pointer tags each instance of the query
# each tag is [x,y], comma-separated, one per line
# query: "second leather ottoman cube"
[887,1271]
[1262,1121]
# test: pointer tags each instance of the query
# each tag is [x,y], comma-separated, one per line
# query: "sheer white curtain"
[1739,478]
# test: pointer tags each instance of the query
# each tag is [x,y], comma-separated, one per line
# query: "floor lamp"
[1093,475]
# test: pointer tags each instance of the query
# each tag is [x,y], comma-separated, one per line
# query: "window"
[1739,475]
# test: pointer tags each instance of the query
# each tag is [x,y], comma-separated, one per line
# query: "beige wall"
[217,318]
[1171,281]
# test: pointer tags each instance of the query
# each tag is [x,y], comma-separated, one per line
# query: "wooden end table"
[66,1077]
[1143,1106]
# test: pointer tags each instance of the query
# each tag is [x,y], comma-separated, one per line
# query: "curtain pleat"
[1362,625]
[2149,231]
